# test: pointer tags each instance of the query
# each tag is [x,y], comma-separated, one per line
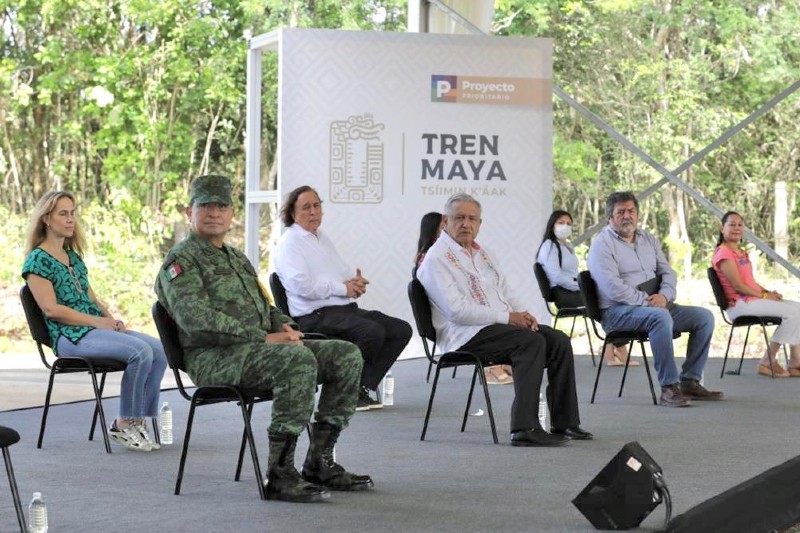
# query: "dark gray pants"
[380,337]
[529,353]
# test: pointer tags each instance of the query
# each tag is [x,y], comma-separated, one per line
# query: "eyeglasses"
[75,279]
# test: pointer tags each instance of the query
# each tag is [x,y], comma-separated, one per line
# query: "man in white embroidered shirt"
[321,290]
[475,310]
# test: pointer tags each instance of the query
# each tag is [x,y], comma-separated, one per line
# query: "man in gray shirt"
[637,290]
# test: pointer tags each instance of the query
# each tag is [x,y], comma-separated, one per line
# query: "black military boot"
[321,469]
[283,480]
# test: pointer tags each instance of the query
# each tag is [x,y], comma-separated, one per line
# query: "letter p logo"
[444,88]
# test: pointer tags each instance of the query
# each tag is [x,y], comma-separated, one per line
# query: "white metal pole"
[252,155]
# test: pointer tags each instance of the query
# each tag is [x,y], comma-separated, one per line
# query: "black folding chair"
[741,321]
[421,307]
[561,312]
[590,298]
[8,437]
[207,395]
[282,303]
[428,353]
[71,365]
[279,293]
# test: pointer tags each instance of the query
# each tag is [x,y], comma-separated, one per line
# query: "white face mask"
[562,231]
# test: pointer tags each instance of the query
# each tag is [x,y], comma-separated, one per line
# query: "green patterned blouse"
[71,285]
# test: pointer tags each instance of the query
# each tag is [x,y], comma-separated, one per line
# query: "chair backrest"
[716,286]
[421,307]
[544,282]
[36,323]
[168,331]
[279,293]
[590,297]
[34,316]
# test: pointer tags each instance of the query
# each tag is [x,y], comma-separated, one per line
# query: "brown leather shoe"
[693,390]
[671,397]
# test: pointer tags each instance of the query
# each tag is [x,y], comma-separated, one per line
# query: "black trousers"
[567,298]
[529,353]
[380,337]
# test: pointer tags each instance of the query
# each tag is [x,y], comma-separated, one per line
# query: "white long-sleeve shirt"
[467,292]
[564,275]
[311,270]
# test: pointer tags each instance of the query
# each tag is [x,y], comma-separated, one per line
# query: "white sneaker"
[141,427]
[128,437]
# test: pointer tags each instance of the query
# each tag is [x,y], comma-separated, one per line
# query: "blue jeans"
[660,323]
[141,381]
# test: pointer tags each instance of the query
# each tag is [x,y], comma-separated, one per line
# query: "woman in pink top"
[746,297]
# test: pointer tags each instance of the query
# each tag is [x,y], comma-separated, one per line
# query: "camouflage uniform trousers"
[292,373]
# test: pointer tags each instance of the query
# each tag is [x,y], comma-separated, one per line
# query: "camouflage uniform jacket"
[218,303]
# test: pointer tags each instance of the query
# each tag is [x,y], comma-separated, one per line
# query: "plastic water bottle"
[543,411]
[165,423]
[37,514]
[388,388]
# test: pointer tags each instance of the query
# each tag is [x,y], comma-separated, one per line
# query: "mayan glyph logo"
[356,169]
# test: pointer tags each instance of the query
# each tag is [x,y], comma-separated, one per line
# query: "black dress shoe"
[537,437]
[575,433]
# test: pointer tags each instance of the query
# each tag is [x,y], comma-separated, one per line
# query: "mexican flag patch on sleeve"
[174,270]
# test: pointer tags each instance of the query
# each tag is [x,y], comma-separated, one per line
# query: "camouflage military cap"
[210,189]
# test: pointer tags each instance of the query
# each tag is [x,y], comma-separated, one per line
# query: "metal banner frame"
[669,177]
[254,196]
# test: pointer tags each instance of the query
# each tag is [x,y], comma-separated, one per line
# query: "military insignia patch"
[174,270]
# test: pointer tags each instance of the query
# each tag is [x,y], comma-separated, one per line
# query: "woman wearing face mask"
[558,258]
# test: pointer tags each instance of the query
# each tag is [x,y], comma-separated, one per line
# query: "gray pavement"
[23,383]
[453,481]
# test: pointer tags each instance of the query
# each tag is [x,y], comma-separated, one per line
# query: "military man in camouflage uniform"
[231,335]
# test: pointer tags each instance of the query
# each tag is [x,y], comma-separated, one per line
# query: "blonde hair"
[37,230]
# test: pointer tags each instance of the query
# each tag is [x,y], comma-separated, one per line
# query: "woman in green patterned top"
[80,324]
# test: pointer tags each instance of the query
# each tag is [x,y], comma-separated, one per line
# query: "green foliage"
[680,250]
[672,77]
[124,101]
[11,248]
[123,260]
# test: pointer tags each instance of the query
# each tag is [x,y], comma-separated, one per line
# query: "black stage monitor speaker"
[767,502]
[625,491]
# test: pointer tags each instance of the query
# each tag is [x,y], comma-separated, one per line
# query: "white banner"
[386,126]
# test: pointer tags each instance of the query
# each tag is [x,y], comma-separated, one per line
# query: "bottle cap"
[37,495]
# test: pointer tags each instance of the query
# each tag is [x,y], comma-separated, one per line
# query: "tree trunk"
[781,228]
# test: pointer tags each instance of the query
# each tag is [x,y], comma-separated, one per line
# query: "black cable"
[663,490]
